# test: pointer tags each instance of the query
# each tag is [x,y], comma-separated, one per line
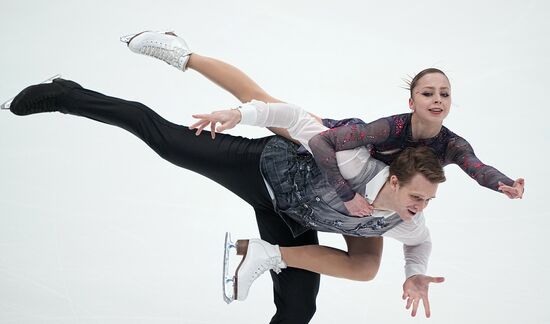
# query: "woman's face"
[431,98]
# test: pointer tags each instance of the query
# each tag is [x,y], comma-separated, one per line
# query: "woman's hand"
[515,191]
[359,206]
[415,289]
[227,118]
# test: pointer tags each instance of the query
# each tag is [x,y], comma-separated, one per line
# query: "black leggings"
[231,161]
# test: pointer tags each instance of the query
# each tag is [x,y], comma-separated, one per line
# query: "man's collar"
[375,185]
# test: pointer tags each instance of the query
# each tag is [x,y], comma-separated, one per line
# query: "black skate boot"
[44,97]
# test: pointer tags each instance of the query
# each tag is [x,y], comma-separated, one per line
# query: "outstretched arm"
[298,123]
[460,152]
[235,81]
[417,246]
[415,288]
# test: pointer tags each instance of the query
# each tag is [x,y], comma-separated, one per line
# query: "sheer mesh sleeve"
[325,145]
[461,153]
[332,123]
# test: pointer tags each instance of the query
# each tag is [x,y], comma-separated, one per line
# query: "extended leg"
[229,78]
[360,262]
[217,159]
[172,49]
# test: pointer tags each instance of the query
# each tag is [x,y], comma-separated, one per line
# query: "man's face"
[412,197]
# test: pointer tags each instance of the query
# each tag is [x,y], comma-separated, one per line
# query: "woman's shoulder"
[333,123]
[456,145]
[405,117]
[398,124]
[451,136]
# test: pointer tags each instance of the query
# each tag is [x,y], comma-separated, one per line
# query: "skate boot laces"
[272,263]
[175,56]
[47,103]
[44,99]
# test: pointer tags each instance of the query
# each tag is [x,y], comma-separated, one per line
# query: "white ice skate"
[165,46]
[7,104]
[258,257]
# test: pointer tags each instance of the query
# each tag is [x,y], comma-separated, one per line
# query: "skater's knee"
[363,268]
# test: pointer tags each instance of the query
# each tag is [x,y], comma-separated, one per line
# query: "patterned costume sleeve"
[461,153]
[332,123]
[325,145]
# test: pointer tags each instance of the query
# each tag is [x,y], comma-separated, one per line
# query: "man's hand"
[227,118]
[415,289]
[359,206]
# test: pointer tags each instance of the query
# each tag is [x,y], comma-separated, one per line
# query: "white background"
[96,228]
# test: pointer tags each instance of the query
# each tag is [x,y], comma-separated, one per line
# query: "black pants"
[231,161]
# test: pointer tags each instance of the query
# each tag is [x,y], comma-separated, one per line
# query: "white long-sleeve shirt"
[301,126]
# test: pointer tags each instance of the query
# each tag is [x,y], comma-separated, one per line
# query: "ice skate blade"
[228,287]
[228,282]
[7,104]
[127,38]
